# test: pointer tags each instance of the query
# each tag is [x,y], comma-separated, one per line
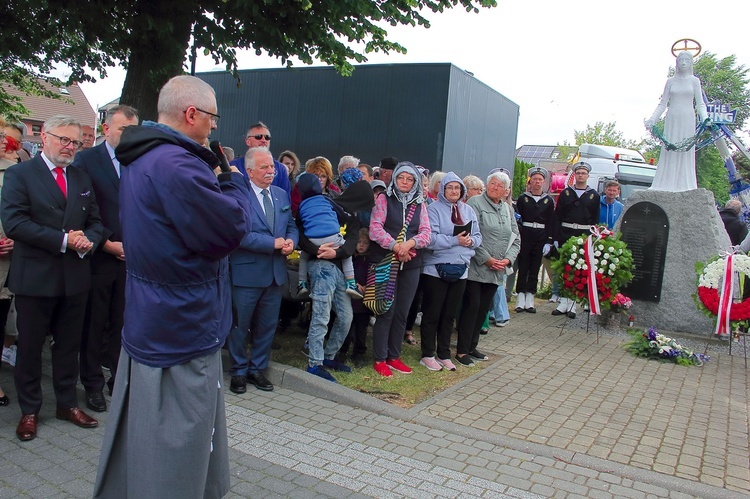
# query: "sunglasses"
[260,136]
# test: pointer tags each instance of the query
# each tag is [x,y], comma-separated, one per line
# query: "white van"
[626,166]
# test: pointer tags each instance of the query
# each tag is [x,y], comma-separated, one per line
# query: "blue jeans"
[500,305]
[327,289]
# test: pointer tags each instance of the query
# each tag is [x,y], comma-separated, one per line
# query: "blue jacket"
[280,180]
[609,213]
[317,214]
[444,247]
[256,263]
[179,223]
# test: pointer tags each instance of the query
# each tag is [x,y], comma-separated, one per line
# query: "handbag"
[380,289]
[450,272]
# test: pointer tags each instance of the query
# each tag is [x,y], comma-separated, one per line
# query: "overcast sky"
[566,64]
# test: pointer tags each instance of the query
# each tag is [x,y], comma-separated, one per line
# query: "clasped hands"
[405,251]
[497,265]
[285,245]
[6,247]
[78,241]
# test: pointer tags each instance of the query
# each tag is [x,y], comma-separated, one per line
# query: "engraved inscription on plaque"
[645,229]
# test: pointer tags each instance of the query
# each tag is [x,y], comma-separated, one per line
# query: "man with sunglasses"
[259,136]
[50,211]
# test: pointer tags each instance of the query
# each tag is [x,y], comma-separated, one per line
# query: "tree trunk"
[157,53]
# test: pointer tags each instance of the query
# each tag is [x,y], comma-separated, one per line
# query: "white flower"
[612,266]
[581,252]
[579,241]
[585,267]
[578,265]
[571,262]
[616,260]
[610,272]
[619,251]
[611,249]
[665,349]
[597,253]
[600,247]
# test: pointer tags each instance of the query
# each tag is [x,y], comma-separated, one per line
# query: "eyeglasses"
[65,141]
[407,179]
[259,136]
[214,117]
[2,136]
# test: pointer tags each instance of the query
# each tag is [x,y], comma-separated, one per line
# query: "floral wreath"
[711,276]
[607,255]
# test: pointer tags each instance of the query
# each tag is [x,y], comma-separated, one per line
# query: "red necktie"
[61,180]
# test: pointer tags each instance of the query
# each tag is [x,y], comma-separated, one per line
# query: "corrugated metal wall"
[481,128]
[381,110]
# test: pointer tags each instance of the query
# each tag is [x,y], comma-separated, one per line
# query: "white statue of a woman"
[682,97]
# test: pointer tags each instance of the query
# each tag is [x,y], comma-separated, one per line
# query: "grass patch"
[403,390]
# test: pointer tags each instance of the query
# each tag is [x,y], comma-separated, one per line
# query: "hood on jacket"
[415,194]
[309,186]
[138,140]
[356,197]
[450,177]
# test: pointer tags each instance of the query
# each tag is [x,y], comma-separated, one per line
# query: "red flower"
[607,280]
[568,268]
[580,286]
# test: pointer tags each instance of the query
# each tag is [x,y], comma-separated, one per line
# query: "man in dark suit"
[50,211]
[100,341]
[259,272]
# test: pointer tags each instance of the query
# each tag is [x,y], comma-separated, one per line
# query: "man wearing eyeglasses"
[50,211]
[259,136]
[166,434]
[106,305]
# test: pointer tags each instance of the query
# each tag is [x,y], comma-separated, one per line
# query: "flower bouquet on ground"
[720,289]
[652,345]
[620,303]
[594,268]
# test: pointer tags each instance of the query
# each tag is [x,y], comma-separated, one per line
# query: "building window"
[36,130]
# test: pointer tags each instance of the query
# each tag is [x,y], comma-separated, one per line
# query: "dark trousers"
[102,330]
[477,301]
[357,335]
[438,314]
[388,332]
[62,316]
[416,307]
[529,262]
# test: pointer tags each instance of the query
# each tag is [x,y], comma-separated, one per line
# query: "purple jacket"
[179,222]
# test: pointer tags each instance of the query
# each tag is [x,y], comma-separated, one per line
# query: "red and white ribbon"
[723,324]
[597,233]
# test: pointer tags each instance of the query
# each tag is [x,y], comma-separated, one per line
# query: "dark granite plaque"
[645,229]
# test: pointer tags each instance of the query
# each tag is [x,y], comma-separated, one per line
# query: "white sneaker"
[430,363]
[502,323]
[554,299]
[447,364]
[9,355]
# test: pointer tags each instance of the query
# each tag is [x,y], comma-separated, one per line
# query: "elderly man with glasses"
[50,212]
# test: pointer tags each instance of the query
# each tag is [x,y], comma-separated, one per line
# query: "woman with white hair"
[492,259]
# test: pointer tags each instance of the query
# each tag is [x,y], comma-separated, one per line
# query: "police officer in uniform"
[537,210]
[577,210]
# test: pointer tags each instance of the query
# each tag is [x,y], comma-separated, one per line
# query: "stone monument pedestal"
[696,233]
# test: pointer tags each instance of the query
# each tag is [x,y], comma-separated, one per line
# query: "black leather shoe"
[531,310]
[260,381]
[519,310]
[238,384]
[557,312]
[572,315]
[95,401]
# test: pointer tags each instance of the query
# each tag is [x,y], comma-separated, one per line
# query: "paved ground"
[553,416]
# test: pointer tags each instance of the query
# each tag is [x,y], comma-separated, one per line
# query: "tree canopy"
[152,38]
[605,134]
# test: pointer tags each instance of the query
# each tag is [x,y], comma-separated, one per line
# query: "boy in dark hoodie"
[322,221]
